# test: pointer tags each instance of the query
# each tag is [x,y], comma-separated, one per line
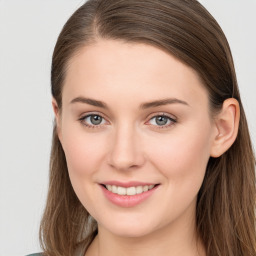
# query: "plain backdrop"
[28,32]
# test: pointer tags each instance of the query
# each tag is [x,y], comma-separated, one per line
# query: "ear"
[56,111]
[227,123]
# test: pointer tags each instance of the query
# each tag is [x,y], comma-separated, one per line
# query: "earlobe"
[56,111]
[227,123]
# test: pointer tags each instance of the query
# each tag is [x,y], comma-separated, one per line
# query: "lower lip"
[127,201]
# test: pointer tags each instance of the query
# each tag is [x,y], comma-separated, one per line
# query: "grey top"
[80,252]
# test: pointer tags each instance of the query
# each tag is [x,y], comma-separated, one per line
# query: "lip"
[127,201]
[127,184]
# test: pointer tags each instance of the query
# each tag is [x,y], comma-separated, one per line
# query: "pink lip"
[127,201]
[127,184]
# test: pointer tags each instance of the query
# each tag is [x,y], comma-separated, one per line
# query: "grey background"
[28,32]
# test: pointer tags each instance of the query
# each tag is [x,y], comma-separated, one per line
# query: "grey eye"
[95,119]
[161,120]
[92,120]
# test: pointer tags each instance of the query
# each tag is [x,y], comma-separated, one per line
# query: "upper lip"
[128,184]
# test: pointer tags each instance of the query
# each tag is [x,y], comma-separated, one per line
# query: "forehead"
[112,69]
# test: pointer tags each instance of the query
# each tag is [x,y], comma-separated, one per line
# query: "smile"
[130,191]
[128,194]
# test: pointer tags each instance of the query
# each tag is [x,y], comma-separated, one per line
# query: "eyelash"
[172,120]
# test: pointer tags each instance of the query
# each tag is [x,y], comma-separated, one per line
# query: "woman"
[151,153]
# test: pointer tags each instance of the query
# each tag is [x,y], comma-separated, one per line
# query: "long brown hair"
[225,212]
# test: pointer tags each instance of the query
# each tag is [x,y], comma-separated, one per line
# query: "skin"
[129,145]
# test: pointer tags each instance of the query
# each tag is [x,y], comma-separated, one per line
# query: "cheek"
[83,151]
[182,157]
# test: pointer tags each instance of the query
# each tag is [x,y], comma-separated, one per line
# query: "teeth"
[114,189]
[150,186]
[131,191]
[145,188]
[121,191]
[139,190]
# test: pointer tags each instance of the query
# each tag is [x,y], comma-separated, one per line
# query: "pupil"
[161,120]
[96,119]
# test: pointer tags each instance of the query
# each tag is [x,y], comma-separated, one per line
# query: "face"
[137,134]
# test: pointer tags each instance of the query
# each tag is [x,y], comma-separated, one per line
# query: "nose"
[126,150]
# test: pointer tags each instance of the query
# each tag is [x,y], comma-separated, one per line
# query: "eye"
[93,120]
[162,121]
[97,120]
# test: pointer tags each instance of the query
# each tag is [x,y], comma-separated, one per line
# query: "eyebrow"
[145,105]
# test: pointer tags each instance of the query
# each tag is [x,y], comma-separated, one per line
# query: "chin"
[130,228]
[129,232]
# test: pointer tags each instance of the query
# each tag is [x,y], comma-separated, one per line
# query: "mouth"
[128,194]
[129,191]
